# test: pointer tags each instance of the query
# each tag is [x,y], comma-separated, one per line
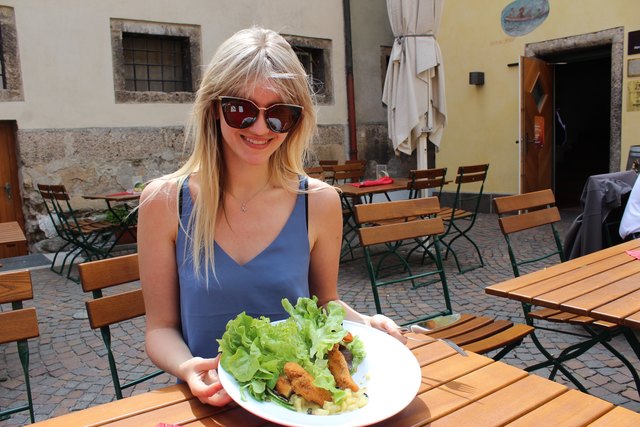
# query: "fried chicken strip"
[283,386]
[340,370]
[302,383]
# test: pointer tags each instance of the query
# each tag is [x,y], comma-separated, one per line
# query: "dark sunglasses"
[241,113]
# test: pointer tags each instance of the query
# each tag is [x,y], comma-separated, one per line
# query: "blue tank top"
[257,287]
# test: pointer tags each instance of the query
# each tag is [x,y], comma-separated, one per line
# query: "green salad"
[254,351]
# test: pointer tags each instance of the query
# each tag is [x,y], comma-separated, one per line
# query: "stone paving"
[69,370]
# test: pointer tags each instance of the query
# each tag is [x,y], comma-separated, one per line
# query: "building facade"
[96,93]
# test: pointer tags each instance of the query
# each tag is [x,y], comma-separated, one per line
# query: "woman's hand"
[202,377]
[383,323]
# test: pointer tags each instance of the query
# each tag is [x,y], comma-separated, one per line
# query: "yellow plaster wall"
[483,120]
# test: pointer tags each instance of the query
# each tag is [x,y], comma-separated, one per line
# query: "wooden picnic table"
[12,240]
[367,192]
[604,285]
[127,221]
[455,391]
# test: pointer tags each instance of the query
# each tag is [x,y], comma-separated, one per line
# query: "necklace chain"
[243,205]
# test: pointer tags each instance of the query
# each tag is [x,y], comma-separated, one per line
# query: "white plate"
[390,373]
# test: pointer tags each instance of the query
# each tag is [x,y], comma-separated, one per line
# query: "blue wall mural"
[520,17]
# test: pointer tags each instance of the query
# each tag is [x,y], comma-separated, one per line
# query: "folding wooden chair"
[104,311]
[349,172]
[461,216]
[537,210]
[93,239]
[382,227]
[426,179]
[18,324]
[316,172]
[327,168]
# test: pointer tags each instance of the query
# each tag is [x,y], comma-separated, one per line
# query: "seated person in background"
[630,223]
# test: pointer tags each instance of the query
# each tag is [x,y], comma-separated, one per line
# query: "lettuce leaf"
[255,351]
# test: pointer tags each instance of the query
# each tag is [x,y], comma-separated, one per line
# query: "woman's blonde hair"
[251,57]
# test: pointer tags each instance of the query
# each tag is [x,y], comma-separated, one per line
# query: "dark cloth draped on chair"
[600,195]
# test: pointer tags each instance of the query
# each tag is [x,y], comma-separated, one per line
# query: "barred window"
[313,62]
[156,63]
[315,56]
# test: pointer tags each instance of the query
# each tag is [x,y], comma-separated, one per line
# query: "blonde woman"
[239,226]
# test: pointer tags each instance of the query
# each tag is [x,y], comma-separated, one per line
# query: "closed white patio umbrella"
[414,84]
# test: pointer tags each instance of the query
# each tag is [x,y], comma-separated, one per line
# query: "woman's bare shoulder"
[160,189]
[321,192]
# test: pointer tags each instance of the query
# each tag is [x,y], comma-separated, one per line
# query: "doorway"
[582,129]
[587,107]
[10,198]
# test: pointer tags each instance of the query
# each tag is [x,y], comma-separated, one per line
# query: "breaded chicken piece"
[340,370]
[302,383]
[283,386]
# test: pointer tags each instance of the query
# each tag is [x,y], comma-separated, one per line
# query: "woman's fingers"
[205,383]
[387,325]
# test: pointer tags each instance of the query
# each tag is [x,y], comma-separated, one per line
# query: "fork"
[419,329]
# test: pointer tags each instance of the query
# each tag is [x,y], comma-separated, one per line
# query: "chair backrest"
[426,179]
[327,162]
[470,186]
[527,211]
[315,172]
[58,206]
[18,324]
[385,225]
[352,172]
[104,311]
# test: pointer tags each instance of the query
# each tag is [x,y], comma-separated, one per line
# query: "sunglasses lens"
[239,113]
[281,118]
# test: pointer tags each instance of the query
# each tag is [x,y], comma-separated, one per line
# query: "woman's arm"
[157,233]
[325,231]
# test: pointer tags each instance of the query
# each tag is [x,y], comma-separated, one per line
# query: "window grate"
[156,63]
[312,60]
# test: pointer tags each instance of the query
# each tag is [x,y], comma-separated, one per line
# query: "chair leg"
[556,362]
[23,354]
[461,233]
[106,337]
[55,257]
[620,356]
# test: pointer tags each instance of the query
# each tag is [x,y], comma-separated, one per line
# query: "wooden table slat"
[178,413]
[572,408]
[469,388]
[618,417]
[352,191]
[120,409]
[506,404]
[531,292]
[591,300]
[620,308]
[632,321]
[10,232]
[503,289]
[446,370]
[580,287]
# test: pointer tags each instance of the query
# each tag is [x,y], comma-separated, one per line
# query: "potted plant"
[122,215]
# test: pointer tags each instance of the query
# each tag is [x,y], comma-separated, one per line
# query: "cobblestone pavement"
[69,369]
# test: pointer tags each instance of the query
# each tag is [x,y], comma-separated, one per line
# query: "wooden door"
[10,198]
[536,127]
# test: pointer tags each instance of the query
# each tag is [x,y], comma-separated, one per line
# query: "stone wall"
[90,161]
[105,160]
